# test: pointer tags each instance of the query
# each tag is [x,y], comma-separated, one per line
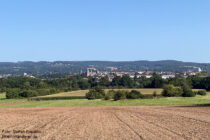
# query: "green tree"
[13,93]
[126,81]
[178,80]
[187,91]
[206,83]
[171,91]
[134,94]
[104,81]
[120,94]
[116,81]
[42,84]
[95,93]
[92,81]
[83,84]
[28,93]
[157,81]
[110,95]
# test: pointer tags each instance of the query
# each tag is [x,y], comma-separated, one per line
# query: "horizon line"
[51,61]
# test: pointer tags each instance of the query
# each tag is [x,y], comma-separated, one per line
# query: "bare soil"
[143,122]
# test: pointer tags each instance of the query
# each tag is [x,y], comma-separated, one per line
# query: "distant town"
[93,72]
[98,69]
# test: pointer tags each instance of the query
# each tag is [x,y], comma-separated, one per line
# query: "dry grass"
[2,95]
[72,93]
[144,90]
[83,92]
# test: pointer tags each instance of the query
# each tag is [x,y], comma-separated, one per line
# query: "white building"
[167,76]
[148,76]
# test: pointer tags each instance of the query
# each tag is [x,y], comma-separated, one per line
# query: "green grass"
[2,96]
[3,99]
[198,100]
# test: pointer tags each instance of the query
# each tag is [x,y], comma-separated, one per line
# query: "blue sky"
[116,30]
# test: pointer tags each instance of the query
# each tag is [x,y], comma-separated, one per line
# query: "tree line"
[168,91]
[29,87]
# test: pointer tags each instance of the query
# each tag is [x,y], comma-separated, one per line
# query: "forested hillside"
[66,67]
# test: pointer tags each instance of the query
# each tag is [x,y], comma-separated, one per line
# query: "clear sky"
[116,30]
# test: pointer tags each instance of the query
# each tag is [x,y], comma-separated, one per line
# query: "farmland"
[144,91]
[137,122]
[83,92]
[175,101]
[163,118]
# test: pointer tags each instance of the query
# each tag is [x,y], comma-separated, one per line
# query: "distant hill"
[66,67]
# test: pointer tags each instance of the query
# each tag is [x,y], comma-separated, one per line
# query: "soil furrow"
[104,123]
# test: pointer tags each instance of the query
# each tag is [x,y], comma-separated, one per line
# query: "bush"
[110,95]
[67,89]
[201,92]
[178,91]
[29,93]
[95,93]
[2,89]
[134,94]
[171,91]
[17,93]
[154,94]
[53,91]
[187,91]
[120,94]
[189,94]
[43,92]
[13,93]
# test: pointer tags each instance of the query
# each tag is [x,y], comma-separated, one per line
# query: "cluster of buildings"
[28,75]
[111,72]
[5,75]
[93,72]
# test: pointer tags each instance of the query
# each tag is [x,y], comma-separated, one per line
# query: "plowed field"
[143,122]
